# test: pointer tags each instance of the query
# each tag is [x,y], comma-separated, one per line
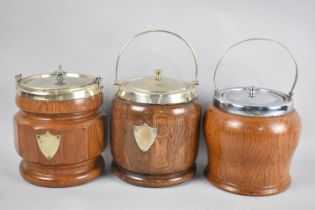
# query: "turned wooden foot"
[153,180]
[248,190]
[62,175]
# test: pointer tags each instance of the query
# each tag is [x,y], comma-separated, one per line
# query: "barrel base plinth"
[153,180]
[62,175]
[248,190]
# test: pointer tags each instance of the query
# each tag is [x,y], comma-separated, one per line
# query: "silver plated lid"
[156,89]
[58,86]
[254,101]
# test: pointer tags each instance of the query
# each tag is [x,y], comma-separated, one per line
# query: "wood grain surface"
[76,107]
[250,155]
[172,155]
[81,129]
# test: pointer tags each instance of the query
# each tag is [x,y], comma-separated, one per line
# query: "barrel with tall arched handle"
[251,135]
[155,127]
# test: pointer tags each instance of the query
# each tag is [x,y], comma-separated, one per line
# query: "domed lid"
[156,89]
[251,101]
[58,86]
[254,101]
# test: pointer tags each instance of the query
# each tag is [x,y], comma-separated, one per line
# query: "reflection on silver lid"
[58,85]
[156,90]
[252,101]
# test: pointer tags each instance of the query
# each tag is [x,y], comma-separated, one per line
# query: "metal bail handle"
[195,82]
[258,39]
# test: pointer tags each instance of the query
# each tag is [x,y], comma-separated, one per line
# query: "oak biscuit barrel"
[59,130]
[251,134]
[155,128]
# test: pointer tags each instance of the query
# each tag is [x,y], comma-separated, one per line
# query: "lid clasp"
[18,77]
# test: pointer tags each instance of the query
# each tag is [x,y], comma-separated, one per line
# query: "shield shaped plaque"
[48,144]
[145,136]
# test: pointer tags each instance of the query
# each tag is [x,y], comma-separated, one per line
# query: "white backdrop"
[86,36]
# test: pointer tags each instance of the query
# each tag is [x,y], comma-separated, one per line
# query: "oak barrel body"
[250,155]
[170,157]
[60,141]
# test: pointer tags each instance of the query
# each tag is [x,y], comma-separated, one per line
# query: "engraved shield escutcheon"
[48,144]
[145,136]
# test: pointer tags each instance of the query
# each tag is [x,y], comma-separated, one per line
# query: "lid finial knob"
[252,92]
[158,73]
[59,77]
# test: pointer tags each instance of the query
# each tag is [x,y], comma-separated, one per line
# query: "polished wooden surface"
[171,158]
[250,155]
[65,175]
[147,180]
[76,107]
[81,129]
